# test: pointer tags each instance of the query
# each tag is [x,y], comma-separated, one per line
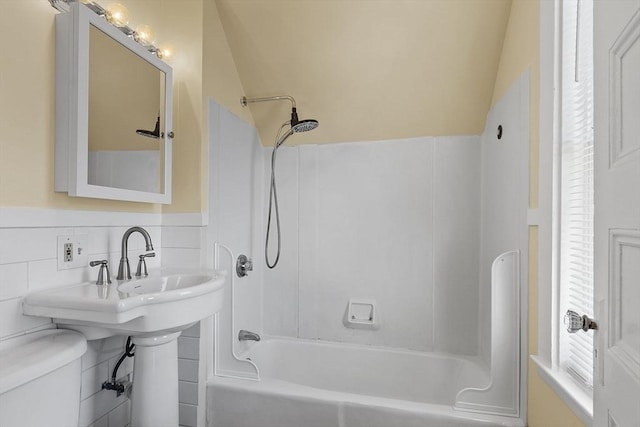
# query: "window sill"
[580,402]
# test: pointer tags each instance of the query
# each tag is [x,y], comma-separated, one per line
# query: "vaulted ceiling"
[368,69]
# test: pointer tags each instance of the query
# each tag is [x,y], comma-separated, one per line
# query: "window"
[576,188]
[564,217]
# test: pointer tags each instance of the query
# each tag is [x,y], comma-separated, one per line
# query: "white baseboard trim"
[19,217]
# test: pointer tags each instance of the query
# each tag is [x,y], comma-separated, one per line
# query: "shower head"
[155,133]
[148,133]
[301,125]
[304,125]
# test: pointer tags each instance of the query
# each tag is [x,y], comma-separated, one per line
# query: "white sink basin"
[162,284]
[165,301]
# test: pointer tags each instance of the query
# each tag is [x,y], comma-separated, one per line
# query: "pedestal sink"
[153,310]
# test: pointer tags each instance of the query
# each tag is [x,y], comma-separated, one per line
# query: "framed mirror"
[113,113]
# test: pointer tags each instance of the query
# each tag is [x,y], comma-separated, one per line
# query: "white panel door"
[617,212]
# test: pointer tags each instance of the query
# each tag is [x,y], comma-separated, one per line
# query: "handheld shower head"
[295,126]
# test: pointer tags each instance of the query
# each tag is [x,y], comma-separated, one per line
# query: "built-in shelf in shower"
[361,314]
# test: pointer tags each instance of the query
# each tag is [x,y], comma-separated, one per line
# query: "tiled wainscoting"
[28,263]
[188,368]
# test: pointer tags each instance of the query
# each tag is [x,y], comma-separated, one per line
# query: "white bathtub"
[319,384]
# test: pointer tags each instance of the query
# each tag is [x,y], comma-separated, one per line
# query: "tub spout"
[248,336]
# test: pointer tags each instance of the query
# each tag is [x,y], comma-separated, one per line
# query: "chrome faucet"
[124,271]
[248,336]
[142,264]
[104,271]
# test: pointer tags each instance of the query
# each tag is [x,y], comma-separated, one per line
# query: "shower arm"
[244,100]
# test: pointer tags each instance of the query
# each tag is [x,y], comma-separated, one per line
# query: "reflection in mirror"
[126,105]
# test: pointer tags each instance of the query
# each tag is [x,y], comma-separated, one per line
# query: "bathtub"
[321,384]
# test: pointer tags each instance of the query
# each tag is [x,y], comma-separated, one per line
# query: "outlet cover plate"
[80,254]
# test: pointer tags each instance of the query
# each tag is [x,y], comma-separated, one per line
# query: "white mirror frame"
[72,108]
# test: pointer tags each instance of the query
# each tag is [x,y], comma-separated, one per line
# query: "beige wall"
[27,100]
[220,76]
[368,70]
[521,51]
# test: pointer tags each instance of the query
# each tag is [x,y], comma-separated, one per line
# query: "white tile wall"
[15,280]
[188,348]
[188,365]
[92,378]
[281,283]
[193,331]
[188,393]
[394,221]
[29,244]
[119,417]
[188,415]
[102,422]
[374,213]
[188,370]
[181,257]
[99,405]
[456,243]
[28,263]
[505,195]
[13,322]
[235,220]
[100,351]
[182,237]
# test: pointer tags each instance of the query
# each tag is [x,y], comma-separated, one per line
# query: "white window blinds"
[576,192]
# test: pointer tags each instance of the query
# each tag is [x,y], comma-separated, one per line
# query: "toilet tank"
[40,377]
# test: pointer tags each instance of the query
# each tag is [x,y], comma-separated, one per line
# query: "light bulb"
[165,52]
[144,35]
[118,15]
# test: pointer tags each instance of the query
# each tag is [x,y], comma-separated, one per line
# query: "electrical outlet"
[72,251]
[68,252]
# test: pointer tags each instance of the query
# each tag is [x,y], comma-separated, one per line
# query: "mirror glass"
[126,117]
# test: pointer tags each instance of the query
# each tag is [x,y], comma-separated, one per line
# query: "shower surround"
[407,225]
[391,221]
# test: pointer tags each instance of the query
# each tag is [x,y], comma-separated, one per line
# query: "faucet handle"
[104,267]
[142,264]
[243,266]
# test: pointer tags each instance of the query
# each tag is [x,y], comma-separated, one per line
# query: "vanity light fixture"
[118,16]
[165,52]
[144,35]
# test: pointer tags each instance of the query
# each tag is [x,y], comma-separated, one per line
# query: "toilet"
[40,375]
